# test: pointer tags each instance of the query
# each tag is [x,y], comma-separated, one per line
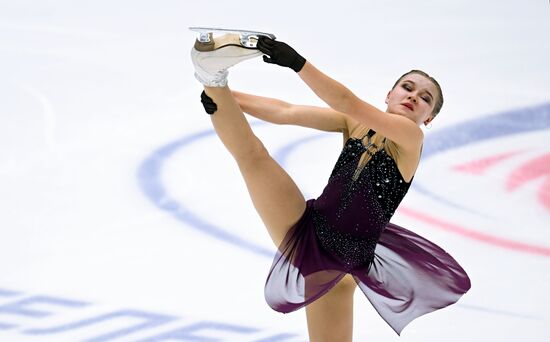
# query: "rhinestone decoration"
[351,249]
[374,187]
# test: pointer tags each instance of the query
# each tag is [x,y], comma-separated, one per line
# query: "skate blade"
[244,38]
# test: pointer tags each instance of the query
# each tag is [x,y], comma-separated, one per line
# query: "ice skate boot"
[213,56]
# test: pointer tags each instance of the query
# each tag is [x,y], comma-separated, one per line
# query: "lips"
[408,105]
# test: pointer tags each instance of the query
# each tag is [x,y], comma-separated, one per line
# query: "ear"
[388,97]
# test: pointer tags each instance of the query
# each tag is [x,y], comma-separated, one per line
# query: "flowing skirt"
[408,277]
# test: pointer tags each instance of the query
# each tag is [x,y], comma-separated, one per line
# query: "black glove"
[280,53]
[209,105]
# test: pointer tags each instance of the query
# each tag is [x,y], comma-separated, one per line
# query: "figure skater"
[329,246]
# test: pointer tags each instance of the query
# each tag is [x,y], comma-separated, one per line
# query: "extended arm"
[284,113]
[263,108]
[397,128]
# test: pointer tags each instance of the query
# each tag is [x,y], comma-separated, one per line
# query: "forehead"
[421,82]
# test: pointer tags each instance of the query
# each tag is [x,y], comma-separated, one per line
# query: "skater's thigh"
[276,197]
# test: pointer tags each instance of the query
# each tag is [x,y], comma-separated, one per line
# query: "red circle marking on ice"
[535,168]
[478,167]
[475,235]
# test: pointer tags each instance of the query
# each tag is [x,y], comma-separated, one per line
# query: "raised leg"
[330,318]
[274,194]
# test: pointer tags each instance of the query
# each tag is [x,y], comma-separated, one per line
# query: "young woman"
[329,246]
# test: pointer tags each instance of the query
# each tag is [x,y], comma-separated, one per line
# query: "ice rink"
[123,218]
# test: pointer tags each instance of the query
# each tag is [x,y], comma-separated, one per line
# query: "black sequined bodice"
[381,172]
[358,202]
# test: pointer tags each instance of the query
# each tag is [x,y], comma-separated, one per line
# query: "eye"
[407,87]
[427,99]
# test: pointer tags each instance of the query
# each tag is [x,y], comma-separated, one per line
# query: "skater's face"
[413,97]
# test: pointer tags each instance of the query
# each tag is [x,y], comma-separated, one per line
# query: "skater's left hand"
[280,53]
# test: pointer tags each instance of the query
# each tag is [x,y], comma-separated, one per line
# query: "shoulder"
[354,127]
[407,159]
[398,128]
[413,149]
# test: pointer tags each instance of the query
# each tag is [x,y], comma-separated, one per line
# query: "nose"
[412,98]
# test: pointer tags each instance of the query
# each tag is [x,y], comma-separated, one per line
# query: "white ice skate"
[212,56]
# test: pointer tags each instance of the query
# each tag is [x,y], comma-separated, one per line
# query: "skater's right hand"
[209,105]
[280,53]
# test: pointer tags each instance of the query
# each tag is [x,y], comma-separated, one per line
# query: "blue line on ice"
[470,132]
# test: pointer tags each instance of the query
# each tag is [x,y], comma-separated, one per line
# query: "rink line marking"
[151,185]
[470,132]
[481,166]
[150,182]
[40,317]
[535,168]
[499,125]
[476,235]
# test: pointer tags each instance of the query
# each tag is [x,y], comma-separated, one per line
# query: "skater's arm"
[283,113]
[324,119]
[335,94]
[401,130]
[397,128]
[263,108]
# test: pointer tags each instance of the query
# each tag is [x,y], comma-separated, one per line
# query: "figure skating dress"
[347,230]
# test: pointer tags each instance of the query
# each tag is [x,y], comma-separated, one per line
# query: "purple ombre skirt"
[405,276]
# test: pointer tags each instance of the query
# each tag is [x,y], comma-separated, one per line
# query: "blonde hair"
[438,100]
